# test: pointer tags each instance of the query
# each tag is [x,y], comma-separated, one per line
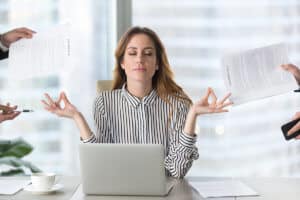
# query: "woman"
[145,105]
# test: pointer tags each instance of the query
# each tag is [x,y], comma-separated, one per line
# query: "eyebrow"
[137,48]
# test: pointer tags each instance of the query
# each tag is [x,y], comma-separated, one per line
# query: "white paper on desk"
[230,188]
[46,53]
[10,187]
[256,73]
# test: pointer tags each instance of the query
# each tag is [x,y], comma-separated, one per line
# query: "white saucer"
[55,188]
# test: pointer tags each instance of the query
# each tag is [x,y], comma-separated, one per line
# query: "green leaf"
[17,148]
[14,172]
[11,152]
[16,162]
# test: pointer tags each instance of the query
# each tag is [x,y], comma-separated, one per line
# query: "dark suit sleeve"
[3,54]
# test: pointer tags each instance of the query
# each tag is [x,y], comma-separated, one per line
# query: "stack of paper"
[46,53]
[256,73]
[10,187]
[230,188]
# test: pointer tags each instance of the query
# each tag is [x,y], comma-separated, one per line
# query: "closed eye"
[148,54]
[132,53]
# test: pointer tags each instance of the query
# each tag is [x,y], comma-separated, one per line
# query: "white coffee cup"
[42,181]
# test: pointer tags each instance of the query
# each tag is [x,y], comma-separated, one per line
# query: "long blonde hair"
[162,80]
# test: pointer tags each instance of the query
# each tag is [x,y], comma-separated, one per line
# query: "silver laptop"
[123,169]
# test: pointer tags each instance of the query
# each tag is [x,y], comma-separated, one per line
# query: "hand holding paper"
[256,73]
[293,69]
[47,53]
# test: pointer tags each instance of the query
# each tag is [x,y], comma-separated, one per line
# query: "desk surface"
[70,185]
[268,188]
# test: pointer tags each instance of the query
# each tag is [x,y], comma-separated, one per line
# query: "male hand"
[8,112]
[14,35]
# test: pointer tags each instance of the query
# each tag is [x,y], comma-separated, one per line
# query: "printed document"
[46,53]
[256,73]
[10,187]
[230,188]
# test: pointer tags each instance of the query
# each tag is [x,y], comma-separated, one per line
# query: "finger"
[25,30]
[288,66]
[294,129]
[225,98]
[213,97]
[206,95]
[20,35]
[4,108]
[225,105]
[298,137]
[51,102]
[220,110]
[11,115]
[48,109]
[12,107]
[8,109]
[292,69]
[296,116]
[45,103]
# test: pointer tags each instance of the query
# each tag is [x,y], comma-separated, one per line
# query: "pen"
[25,110]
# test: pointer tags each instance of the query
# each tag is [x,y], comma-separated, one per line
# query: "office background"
[247,141]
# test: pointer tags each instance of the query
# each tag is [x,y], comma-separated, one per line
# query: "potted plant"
[11,154]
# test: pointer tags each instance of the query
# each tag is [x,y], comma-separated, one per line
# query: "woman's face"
[139,61]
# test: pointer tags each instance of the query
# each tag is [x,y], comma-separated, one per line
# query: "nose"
[140,58]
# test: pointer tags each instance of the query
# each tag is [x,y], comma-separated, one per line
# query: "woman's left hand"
[203,106]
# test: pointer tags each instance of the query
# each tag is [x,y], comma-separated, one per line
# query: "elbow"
[177,173]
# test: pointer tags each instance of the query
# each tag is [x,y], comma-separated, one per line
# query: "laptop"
[123,169]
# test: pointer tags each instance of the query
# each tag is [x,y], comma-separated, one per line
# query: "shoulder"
[178,102]
[107,96]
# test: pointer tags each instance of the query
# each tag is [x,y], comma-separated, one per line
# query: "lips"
[139,69]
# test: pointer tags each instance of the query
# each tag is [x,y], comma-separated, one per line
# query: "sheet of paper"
[46,53]
[256,73]
[230,188]
[10,187]
[78,194]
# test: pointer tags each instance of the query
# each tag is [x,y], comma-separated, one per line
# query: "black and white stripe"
[123,118]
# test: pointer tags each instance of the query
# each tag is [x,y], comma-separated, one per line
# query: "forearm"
[85,131]
[181,156]
[190,123]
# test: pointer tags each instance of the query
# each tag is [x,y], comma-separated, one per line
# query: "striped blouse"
[123,118]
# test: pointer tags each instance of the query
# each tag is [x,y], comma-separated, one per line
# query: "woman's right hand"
[69,110]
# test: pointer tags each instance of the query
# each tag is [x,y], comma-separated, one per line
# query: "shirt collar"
[135,101]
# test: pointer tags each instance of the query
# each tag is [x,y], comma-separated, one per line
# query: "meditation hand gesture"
[55,107]
[203,106]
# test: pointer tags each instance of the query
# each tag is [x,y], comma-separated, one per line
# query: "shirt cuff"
[90,139]
[187,140]
[2,47]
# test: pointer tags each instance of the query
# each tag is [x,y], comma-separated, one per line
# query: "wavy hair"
[162,81]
